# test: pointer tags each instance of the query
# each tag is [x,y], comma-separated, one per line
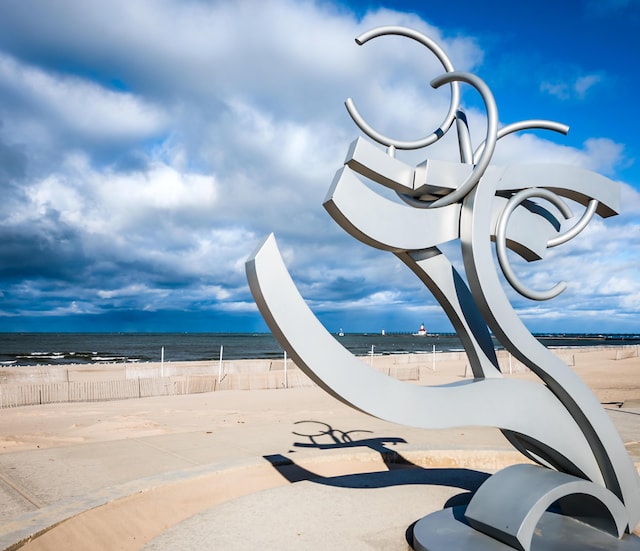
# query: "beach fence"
[572,356]
[34,385]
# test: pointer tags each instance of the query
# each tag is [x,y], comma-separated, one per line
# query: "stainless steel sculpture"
[560,424]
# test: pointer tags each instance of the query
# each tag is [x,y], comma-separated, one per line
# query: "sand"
[60,453]
[614,382]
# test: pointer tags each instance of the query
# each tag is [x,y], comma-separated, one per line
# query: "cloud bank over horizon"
[147,148]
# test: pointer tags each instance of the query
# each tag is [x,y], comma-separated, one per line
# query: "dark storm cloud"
[13,163]
[46,249]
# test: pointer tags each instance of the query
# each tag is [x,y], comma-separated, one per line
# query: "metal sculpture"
[560,424]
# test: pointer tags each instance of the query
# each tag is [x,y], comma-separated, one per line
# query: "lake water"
[65,348]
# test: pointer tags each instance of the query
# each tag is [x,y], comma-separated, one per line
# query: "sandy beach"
[57,454]
[613,377]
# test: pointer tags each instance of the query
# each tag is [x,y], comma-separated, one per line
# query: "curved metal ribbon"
[545,487]
[338,372]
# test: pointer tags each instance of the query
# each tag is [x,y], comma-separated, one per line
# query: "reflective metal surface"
[559,424]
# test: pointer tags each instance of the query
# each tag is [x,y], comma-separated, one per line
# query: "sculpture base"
[447,529]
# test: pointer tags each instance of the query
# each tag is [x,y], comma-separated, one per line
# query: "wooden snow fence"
[96,383]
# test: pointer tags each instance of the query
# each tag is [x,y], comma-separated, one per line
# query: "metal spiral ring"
[455,92]
[490,140]
[586,217]
[501,241]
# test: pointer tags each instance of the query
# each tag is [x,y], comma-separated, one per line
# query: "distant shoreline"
[43,384]
[60,349]
[617,351]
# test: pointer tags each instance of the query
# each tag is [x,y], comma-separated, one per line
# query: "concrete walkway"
[278,469]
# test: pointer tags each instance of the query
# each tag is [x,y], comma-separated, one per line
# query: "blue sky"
[147,147]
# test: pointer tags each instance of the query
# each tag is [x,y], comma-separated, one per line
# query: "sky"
[148,147]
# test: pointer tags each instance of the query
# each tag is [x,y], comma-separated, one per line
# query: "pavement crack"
[24,494]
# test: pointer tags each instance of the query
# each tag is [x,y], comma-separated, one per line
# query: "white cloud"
[576,89]
[155,161]
[601,155]
[114,203]
[161,188]
[129,290]
[77,106]
[584,83]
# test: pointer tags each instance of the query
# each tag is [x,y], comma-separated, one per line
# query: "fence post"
[286,382]
[220,365]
